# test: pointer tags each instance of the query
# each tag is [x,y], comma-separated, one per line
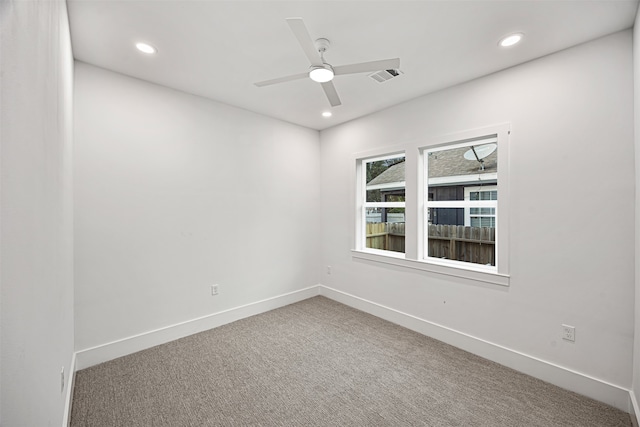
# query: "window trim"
[396,259]
[413,258]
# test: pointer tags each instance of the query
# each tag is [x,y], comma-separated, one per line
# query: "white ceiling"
[219,49]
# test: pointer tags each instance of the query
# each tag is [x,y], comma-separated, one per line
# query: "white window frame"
[466,203]
[415,211]
[363,204]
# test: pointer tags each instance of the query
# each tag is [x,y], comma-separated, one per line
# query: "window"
[480,217]
[437,205]
[461,201]
[384,203]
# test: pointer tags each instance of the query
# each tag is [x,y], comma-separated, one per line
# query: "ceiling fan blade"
[302,34]
[332,95]
[282,79]
[366,67]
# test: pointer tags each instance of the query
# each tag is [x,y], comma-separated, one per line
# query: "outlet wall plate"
[569,333]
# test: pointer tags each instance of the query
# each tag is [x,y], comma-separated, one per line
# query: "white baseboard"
[633,408]
[109,351]
[68,400]
[602,391]
[594,388]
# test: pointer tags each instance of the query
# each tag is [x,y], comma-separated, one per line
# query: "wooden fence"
[457,242]
[461,243]
[388,236]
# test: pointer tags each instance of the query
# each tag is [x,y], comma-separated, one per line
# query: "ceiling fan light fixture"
[321,74]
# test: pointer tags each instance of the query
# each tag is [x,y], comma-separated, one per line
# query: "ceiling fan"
[322,72]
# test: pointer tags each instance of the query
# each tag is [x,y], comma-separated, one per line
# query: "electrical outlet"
[214,290]
[569,333]
[328,269]
[62,380]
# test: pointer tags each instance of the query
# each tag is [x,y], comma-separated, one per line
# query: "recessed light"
[511,39]
[327,114]
[146,48]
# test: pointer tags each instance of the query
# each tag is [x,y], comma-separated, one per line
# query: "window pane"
[385,180]
[385,229]
[464,174]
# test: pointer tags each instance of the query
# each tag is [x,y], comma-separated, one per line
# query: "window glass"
[461,202]
[384,203]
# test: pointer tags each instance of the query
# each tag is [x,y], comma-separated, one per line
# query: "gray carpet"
[320,363]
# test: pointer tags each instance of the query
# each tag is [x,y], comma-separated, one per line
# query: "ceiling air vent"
[384,75]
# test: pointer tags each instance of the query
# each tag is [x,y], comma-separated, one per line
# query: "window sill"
[399,260]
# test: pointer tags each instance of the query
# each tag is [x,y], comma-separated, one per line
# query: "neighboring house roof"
[442,164]
[452,163]
[395,173]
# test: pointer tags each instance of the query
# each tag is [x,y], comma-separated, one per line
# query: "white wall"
[36,273]
[636,75]
[571,209]
[174,193]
